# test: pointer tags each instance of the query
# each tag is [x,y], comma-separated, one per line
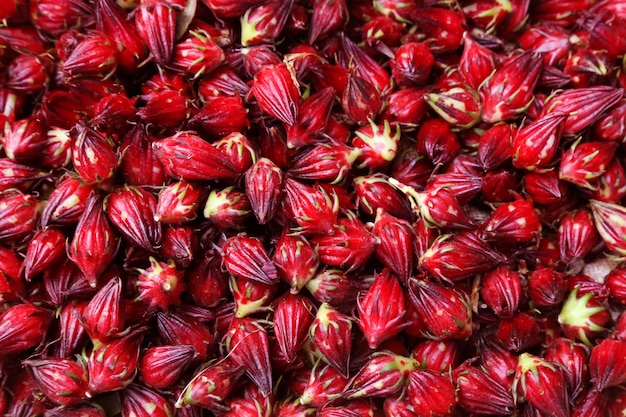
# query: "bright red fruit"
[264,182]
[605,365]
[160,285]
[502,291]
[22,326]
[112,365]
[535,145]
[610,221]
[246,257]
[331,334]
[431,393]
[313,209]
[293,315]
[137,400]
[457,257]
[63,381]
[324,385]
[296,261]
[186,155]
[247,345]
[384,374]
[19,214]
[509,91]
[514,222]
[480,393]
[446,311]
[196,54]
[276,91]
[396,240]
[211,385]
[132,210]
[542,384]
[348,246]
[382,309]
[94,244]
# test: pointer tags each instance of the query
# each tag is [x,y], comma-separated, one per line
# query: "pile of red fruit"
[312,208]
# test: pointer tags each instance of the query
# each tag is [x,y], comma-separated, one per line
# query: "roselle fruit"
[95,243]
[247,344]
[250,296]
[211,385]
[141,401]
[245,257]
[519,332]
[512,222]
[94,155]
[431,392]
[445,311]
[177,203]
[277,94]
[383,375]
[113,365]
[583,105]
[333,286]
[296,261]
[577,235]
[64,382]
[132,211]
[609,230]
[502,291]
[44,250]
[393,233]
[104,317]
[546,287]
[263,183]
[20,213]
[436,140]
[23,327]
[71,330]
[455,257]
[521,74]
[155,25]
[574,358]
[196,54]
[542,384]
[438,355]
[325,385]
[160,284]
[187,156]
[181,329]
[348,246]
[536,144]
[313,209]
[293,316]
[382,309]
[585,162]
[377,191]
[604,366]
[84,410]
[112,20]
[331,334]
[377,145]
[312,118]
[480,393]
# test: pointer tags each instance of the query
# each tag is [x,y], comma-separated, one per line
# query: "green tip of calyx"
[577,313]
[405,364]
[527,362]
